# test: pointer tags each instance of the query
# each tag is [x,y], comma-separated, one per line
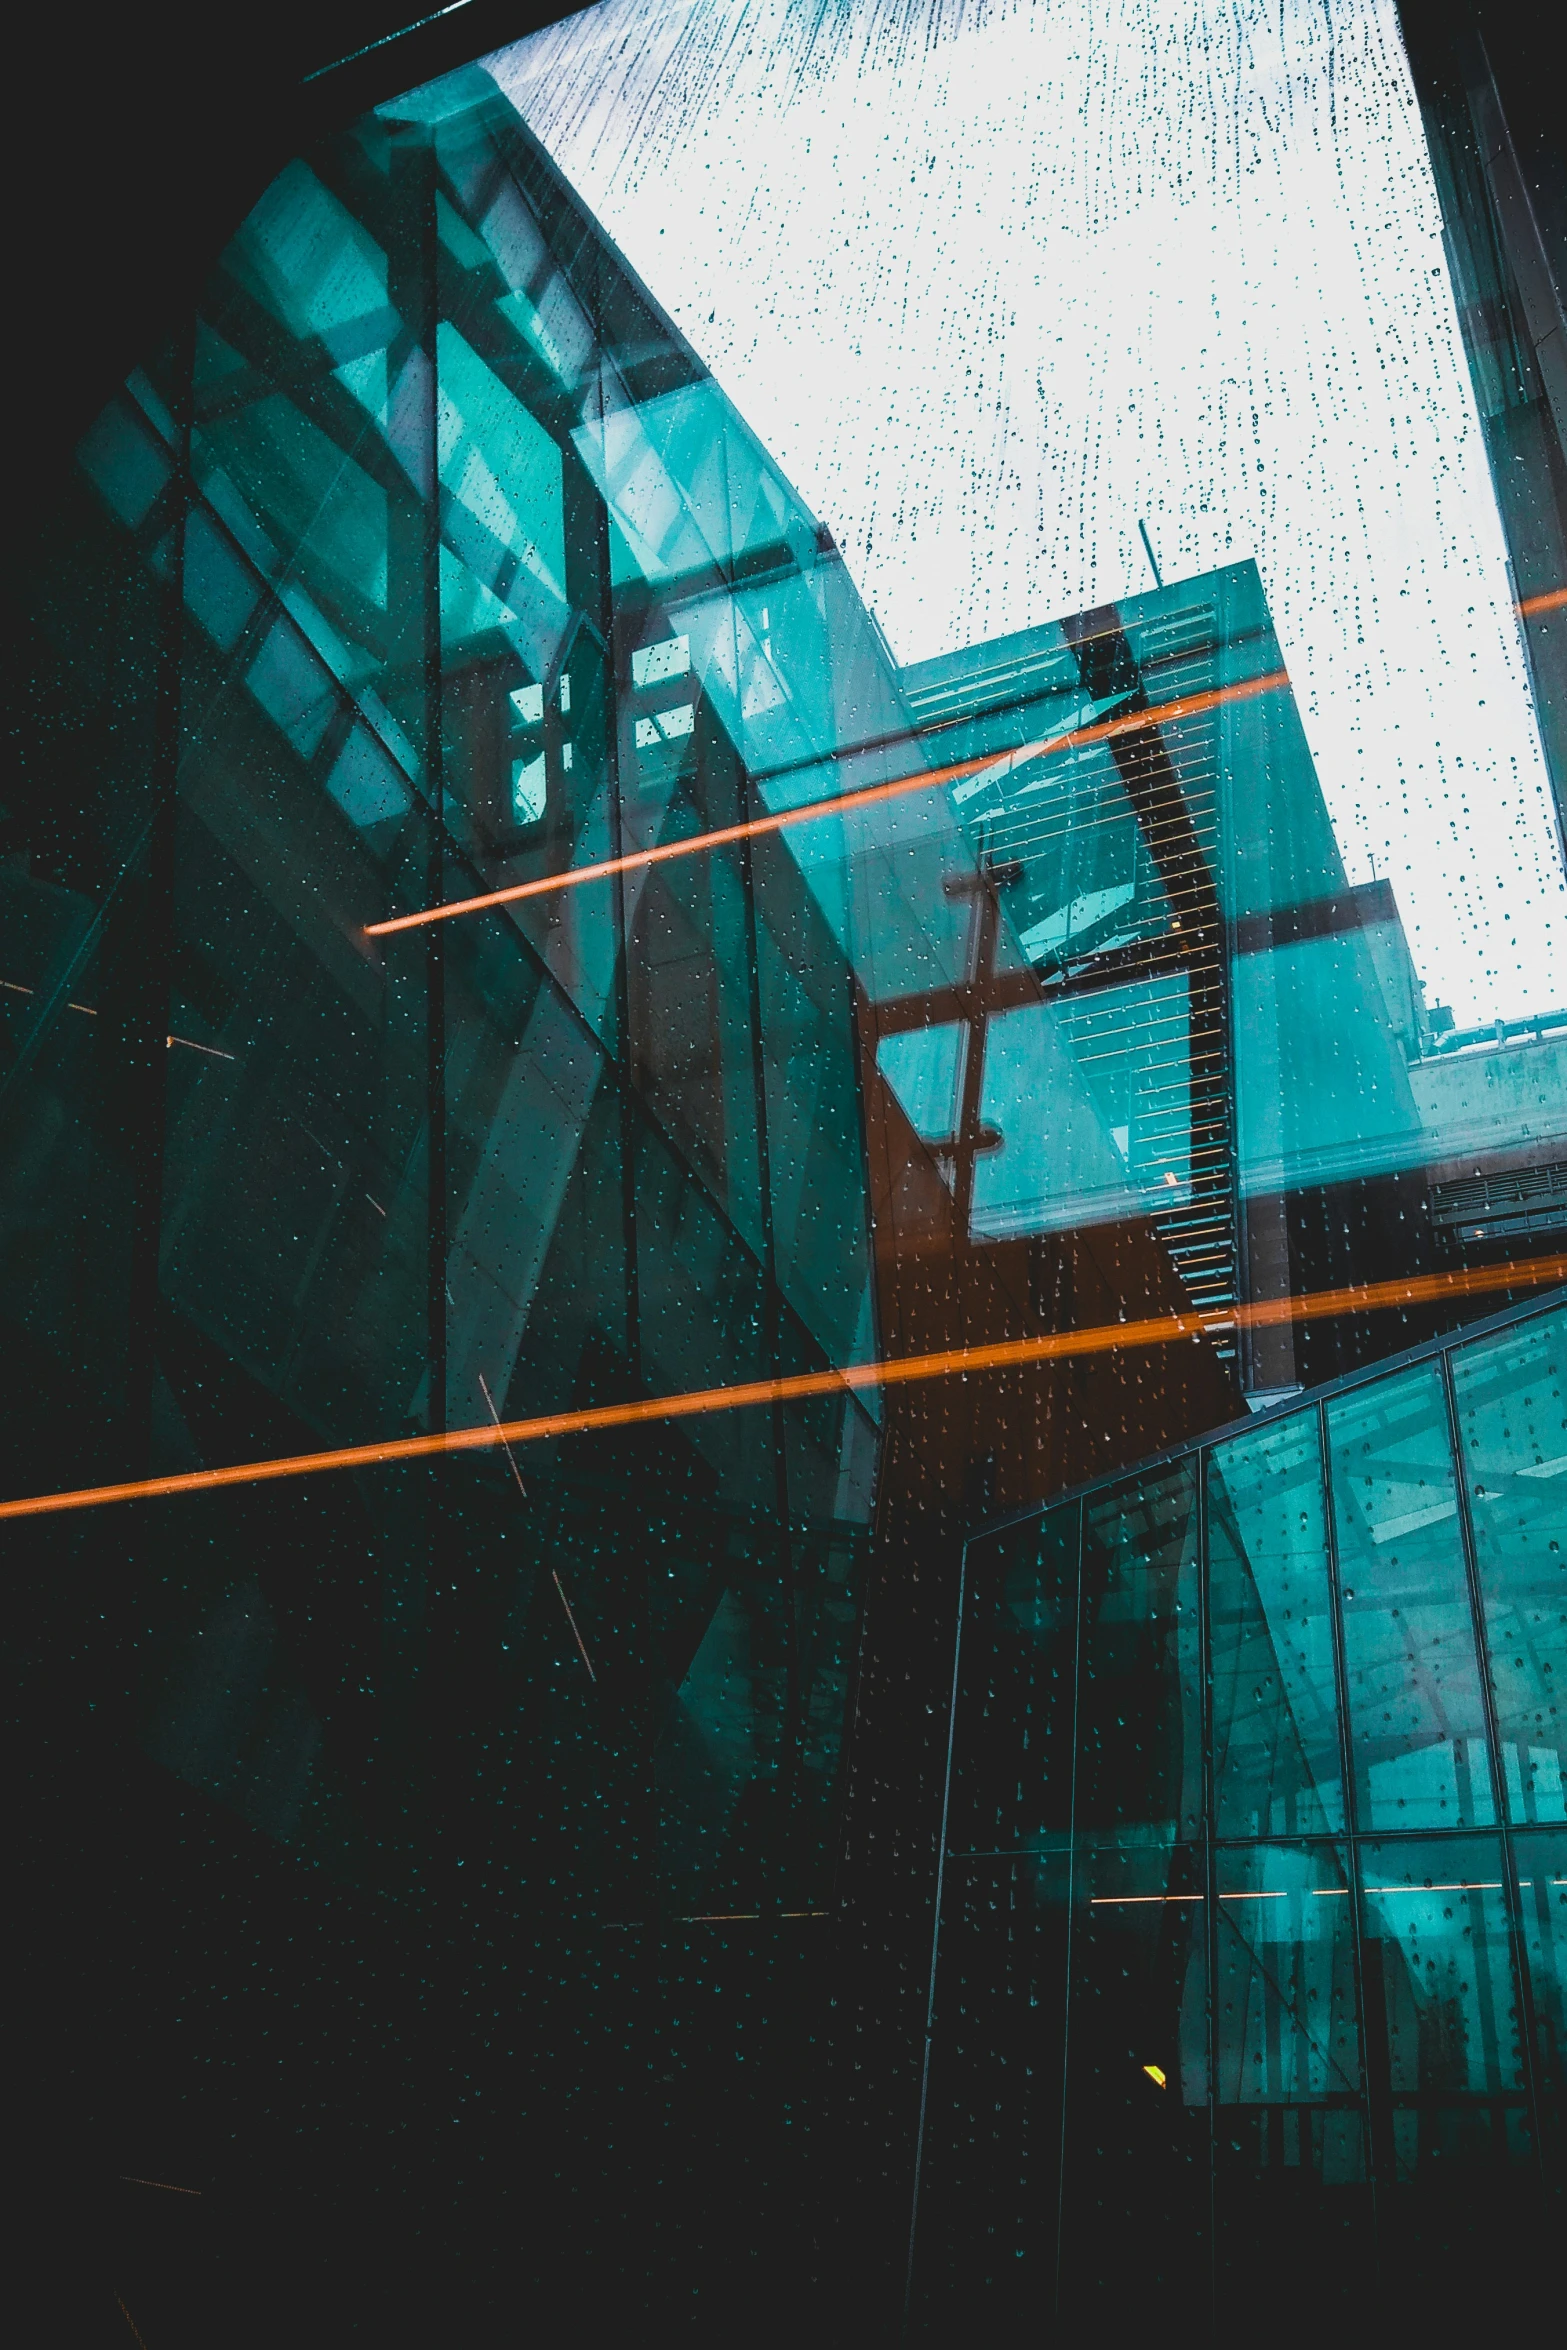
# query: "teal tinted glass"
[1012,1757]
[1276,1760]
[1512,1413]
[1417,1720]
[942,968]
[1286,2013]
[1540,1861]
[1443,2021]
[1139,1755]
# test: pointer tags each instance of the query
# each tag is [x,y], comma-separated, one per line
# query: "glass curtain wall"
[413,568]
[503,926]
[1253,1928]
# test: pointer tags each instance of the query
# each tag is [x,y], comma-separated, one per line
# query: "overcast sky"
[993,281]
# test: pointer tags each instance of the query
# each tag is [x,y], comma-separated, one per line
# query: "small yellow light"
[1155,2074]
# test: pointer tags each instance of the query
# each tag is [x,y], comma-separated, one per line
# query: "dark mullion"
[1202,1463]
[1515,1924]
[1379,2158]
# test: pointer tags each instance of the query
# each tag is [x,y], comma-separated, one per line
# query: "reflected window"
[657,664]
[529,790]
[922,1066]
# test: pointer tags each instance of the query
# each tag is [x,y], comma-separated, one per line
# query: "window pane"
[1414,1691]
[1290,2144]
[1276,1761]
[1139,1760]
[1512,1410]
[1442,2018]
[1012,1763]
[1540,1858]
[1287,2033]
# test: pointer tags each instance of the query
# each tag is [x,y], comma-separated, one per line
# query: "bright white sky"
[992,282]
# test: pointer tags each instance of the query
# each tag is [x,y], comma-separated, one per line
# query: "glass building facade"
[424,561]
[600,1061]
[366,632]
[1251,1949]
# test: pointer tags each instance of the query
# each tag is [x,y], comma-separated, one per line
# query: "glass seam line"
[385,42]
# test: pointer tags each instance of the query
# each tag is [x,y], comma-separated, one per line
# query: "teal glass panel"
[297,1192]
[1511,1392]
[504,513]
[1290,2143]
[1443,2025]
[692,1006]
[1012,1751]
[1139,1747]
[1276,1756]
[1540,1859]
[1115,1067]
[817,1204]
[1417,1720]
[1089,882]
[1324,1092]
[398,574]
[1287,2031]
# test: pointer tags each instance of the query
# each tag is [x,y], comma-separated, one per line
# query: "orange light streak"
[1462,1885]
[1551,601]
[1132,722]
[956,1362]
[129,2179]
